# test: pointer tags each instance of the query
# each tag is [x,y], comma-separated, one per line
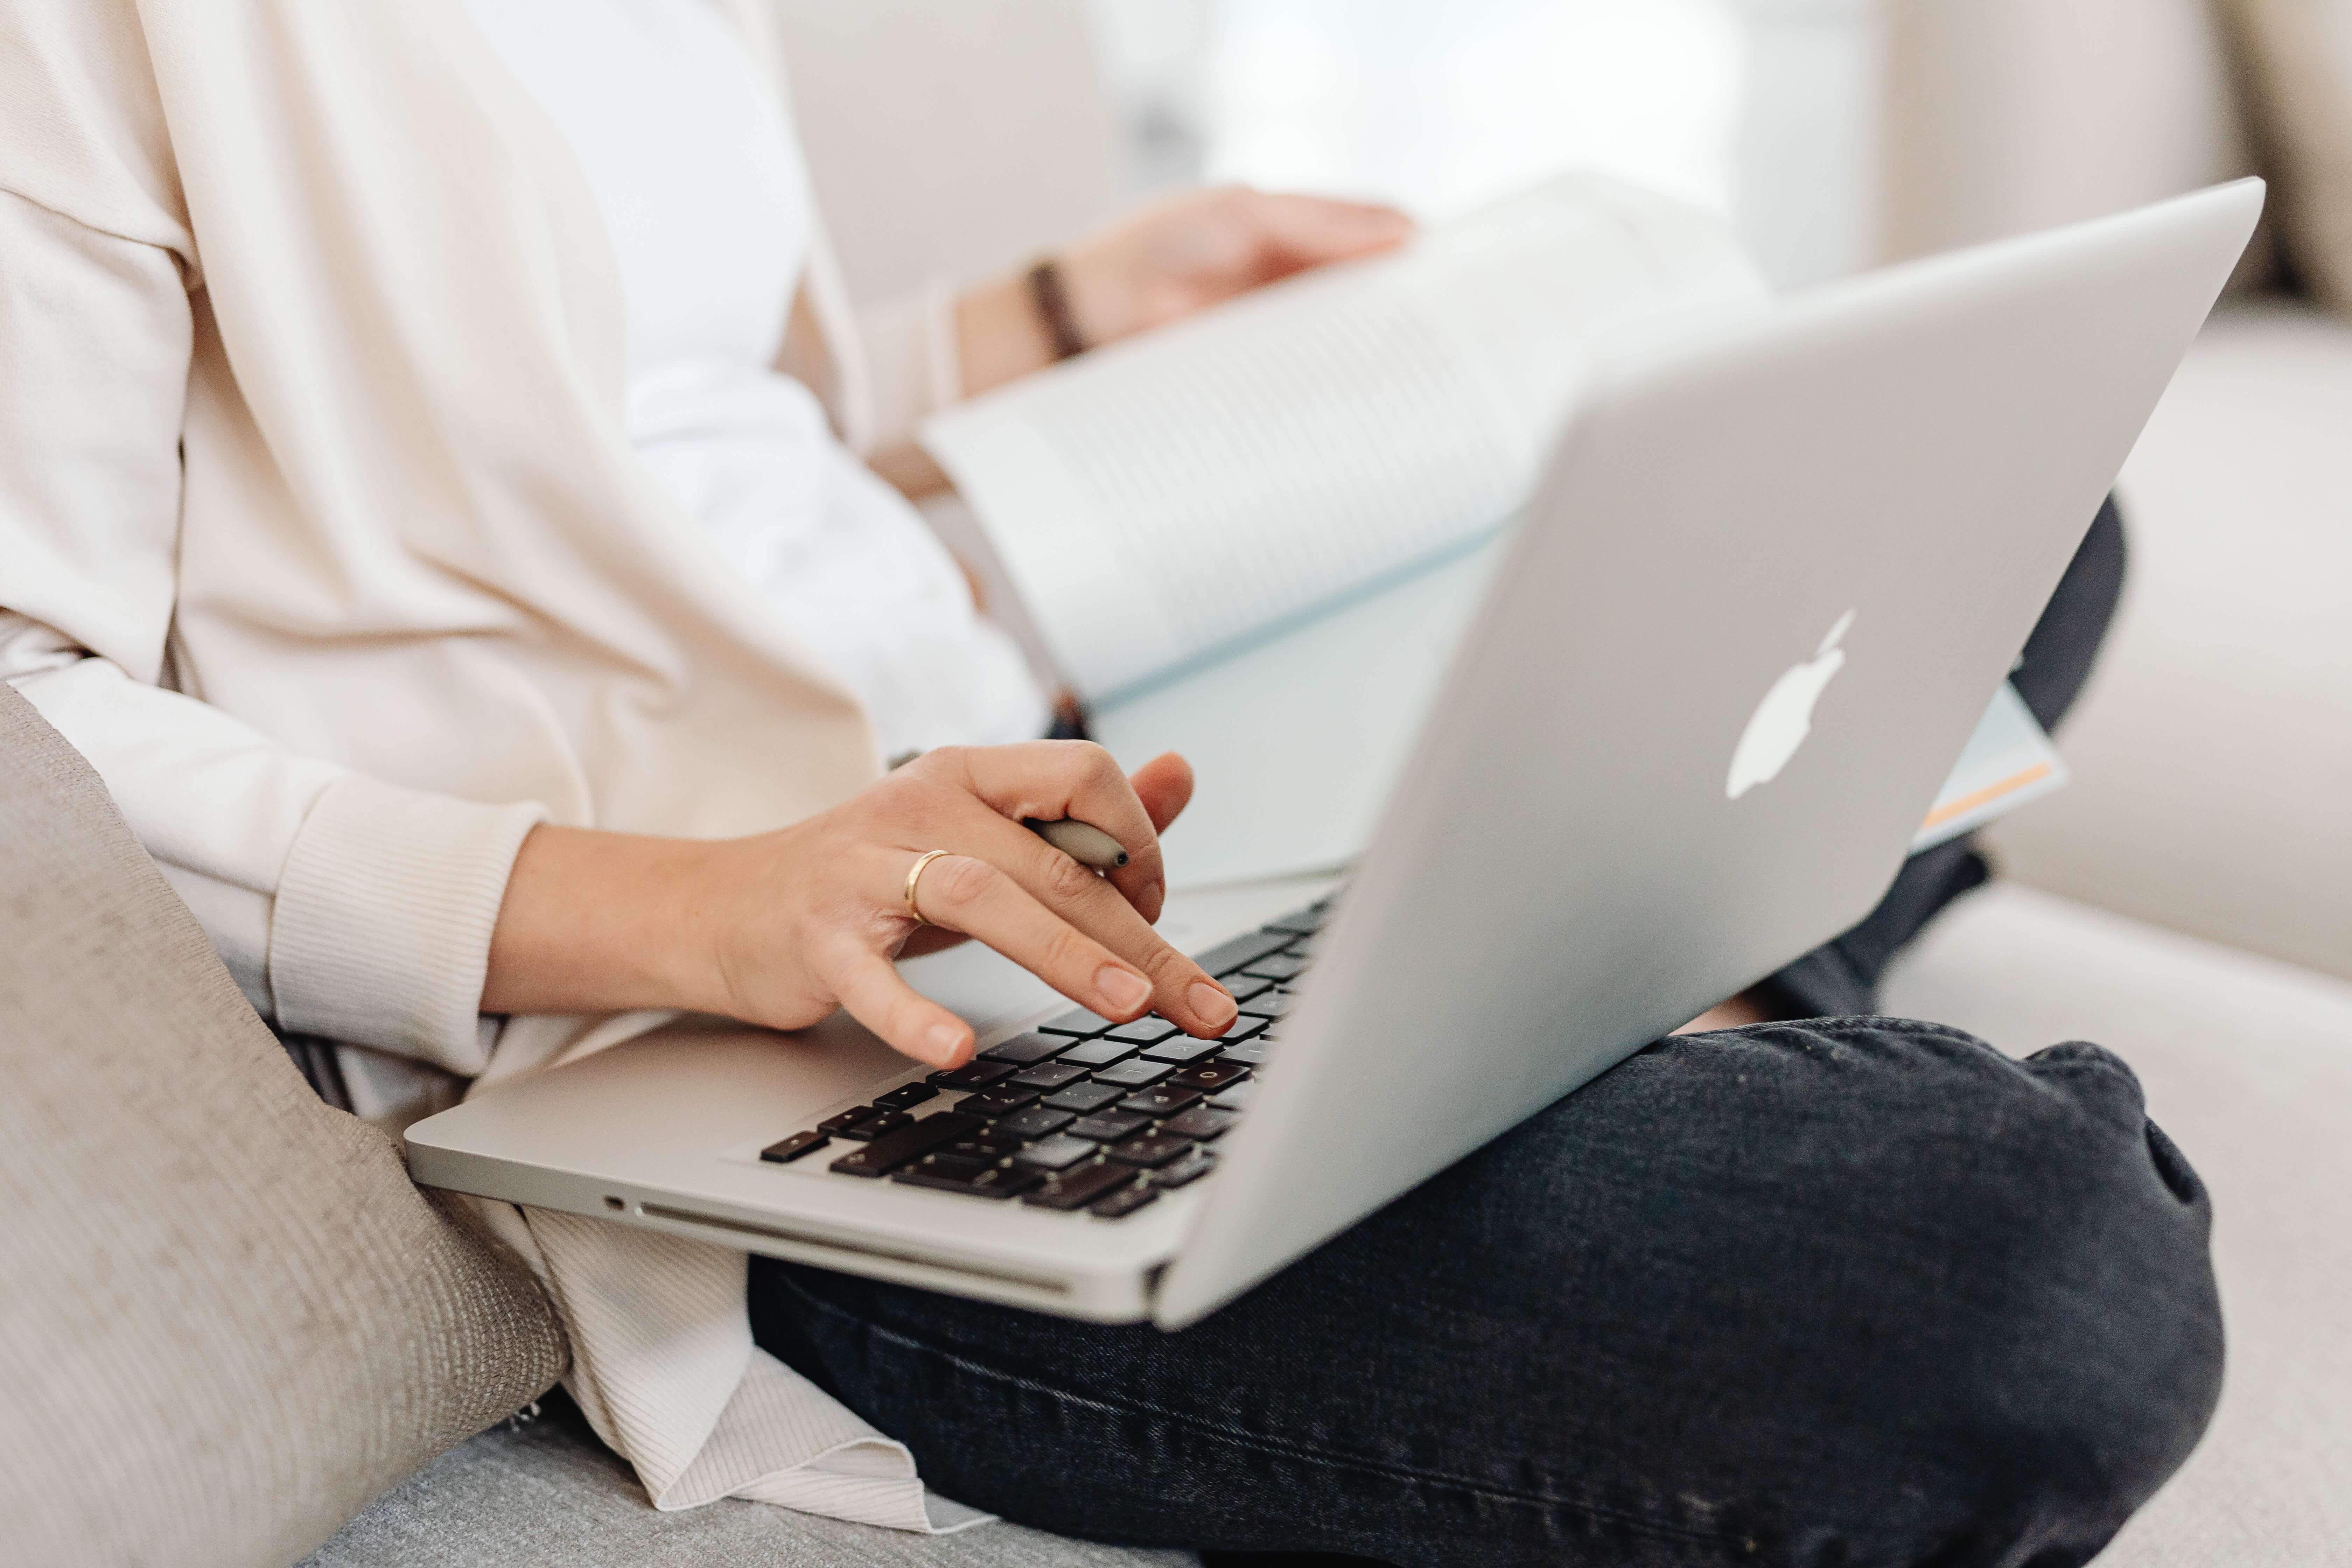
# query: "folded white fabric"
[664,1367]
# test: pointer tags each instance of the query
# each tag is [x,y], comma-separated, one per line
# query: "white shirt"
[706,201]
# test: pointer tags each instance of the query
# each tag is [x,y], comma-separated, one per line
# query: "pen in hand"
[1081,841]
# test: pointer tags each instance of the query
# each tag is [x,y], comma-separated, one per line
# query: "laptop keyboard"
[1081,1112]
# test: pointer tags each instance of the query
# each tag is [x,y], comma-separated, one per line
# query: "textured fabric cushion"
[228,1320]
[2248,1065]
[548,1493]
[2212,749]
[2299,52]
[2002,117]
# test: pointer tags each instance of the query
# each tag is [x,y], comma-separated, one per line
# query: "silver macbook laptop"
[1759,601]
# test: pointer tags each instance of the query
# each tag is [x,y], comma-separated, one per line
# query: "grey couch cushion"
[550,1493]
[228,1320]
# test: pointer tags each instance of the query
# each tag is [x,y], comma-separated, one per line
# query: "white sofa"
[2188,899]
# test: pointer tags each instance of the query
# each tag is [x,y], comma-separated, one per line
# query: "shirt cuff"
[914,367]
[380,935]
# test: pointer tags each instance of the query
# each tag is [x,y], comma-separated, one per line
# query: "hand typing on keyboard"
[781,928]
[1082,1112]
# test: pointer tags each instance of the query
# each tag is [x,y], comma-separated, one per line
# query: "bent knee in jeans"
[1908,1296]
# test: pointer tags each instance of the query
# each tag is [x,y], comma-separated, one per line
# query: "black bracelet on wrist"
[1054,309]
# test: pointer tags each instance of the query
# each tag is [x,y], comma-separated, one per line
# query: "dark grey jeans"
[1852,1291]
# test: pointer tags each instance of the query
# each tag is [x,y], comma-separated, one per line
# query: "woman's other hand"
[781,927]
[1202,247]
[1161,262]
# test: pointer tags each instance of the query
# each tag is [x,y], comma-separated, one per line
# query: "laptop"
[1759,600]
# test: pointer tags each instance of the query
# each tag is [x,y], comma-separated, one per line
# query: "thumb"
[1306,231]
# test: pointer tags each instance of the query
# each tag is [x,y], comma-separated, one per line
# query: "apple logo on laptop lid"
[1785,717]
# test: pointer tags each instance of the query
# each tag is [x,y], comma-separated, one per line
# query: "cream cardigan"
[320,537]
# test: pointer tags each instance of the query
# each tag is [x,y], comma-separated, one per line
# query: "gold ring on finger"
[914,875]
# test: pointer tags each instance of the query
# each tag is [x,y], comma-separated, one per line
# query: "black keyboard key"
[1124,1201]
[1251,1053]
[794,1147]
[1085,1097]
[1046,1076]
[1237,953]
[1190,1168]
[1273,1004]
[1202,1121]
[1210,1077]
[1245,1028]
[1078,1021]
[906,1097]
[1182,1051]
[955,1167]
[1134,1075]
[1057,1154]
[1237,1098]
[1277,966]
[1150,1029]
[1002,1101]
[885,1154]
[1098,1053]
[973,1075]
[1245,986]
[849,1118]
[1037,1121]
[1164,1100]
[987,1146]
[881,1125]
[1023,1049]
[1080,1186]
[995,1182]
[1152,1152]
[1306,923]
[1108,1128]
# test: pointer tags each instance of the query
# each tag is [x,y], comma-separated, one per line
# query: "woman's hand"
[1202,247]
[781,928]
[1179,255]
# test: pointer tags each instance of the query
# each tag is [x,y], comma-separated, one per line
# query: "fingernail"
[945,1040]
[1124,991]
[1213,1006]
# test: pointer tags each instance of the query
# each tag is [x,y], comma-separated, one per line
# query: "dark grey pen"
[1081,841]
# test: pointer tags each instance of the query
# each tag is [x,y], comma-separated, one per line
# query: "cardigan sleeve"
[880,370]
[344,907]
[913,368]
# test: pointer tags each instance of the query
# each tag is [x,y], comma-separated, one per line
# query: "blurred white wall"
[1808,152]
[1834,133]
[1438,105]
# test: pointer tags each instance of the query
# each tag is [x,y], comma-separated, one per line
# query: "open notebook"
[1255,536]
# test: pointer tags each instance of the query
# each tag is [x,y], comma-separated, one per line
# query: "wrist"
[1019,324]
[1099,292]
[599,922]
[999,336]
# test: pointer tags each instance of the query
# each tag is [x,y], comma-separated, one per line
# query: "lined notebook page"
[1162,499]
